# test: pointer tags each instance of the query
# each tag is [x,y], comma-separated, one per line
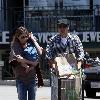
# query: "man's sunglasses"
[62,26]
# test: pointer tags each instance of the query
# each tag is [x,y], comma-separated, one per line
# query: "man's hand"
[52,63]
[79,63]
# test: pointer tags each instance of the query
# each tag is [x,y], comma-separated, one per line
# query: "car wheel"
[90,93]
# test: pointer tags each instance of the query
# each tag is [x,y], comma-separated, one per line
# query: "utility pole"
[61,3]
[24,10]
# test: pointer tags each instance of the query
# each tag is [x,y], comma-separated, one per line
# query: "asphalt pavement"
[10,93]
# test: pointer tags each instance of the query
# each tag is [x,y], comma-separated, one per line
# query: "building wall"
[41,21]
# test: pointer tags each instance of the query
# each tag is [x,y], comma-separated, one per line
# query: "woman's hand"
[31,36]
[34,39]
[20,59]
[34,64]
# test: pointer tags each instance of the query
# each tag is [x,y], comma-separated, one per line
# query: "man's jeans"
[23,90]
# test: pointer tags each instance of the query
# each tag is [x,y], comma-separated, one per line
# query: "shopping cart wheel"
[82,89]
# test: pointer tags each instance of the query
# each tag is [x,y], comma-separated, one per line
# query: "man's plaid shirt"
[73,45]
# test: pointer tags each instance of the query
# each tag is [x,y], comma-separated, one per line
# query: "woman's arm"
[16,55]
[38,47]
[22,60]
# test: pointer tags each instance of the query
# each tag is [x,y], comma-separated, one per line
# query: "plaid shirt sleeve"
[50,54]
[78,48]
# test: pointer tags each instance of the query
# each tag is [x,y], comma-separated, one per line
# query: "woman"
[24,57]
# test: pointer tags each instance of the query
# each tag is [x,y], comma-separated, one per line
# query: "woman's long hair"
[19,31]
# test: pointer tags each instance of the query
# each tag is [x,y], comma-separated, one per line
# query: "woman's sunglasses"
[23,37]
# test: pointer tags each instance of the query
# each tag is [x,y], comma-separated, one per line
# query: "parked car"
[92,76]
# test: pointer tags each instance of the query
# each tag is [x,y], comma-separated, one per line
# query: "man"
[64,42]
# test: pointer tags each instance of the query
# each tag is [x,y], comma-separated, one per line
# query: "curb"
[13,82]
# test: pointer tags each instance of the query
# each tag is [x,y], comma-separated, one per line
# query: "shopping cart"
[66,87]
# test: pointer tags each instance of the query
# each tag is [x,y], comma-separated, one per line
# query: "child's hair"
[19,31]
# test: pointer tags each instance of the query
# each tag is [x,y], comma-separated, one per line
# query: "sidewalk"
[10,93]
[44,93]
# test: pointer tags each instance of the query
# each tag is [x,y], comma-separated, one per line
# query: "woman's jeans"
[26,91]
